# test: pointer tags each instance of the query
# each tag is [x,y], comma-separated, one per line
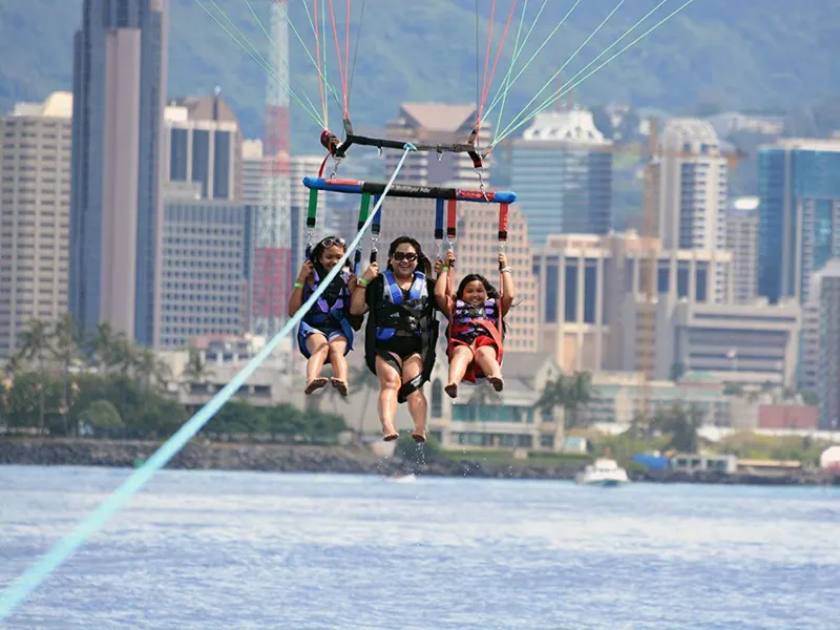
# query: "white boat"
[602,472]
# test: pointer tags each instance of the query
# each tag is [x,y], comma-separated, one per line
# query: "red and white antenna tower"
[273,248]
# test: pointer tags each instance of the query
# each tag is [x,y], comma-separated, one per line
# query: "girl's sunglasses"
[332,240]
[407,256]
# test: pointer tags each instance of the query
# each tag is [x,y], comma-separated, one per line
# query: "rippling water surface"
[259,550]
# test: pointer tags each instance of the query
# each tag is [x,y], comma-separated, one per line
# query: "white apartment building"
[35,171]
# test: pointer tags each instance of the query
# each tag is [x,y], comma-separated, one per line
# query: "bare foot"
[340,385]
[419,437]
[451,390]
[497,382]
[315,383]
[389,433]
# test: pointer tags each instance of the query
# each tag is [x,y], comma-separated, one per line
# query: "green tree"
[196,370]
[570,392]
[286,421]
[35,346]
[65,350]
[323,427]
[103,418]
[31,395]
[681,425]
[150,370]
[238,417]
[102,347]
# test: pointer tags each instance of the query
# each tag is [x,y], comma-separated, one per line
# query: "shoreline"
[207,455]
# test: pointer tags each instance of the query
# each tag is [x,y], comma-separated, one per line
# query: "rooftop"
[56,105]
[573,126]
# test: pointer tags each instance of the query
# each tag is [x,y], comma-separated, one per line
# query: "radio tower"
[273,247]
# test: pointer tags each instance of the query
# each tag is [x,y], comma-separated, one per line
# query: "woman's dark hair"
[489,288]
[423,263]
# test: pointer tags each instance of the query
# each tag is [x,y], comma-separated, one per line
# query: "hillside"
[768,55]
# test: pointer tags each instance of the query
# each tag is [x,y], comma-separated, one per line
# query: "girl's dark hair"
[423,263]
[337,284]
[327,241]
[489,288]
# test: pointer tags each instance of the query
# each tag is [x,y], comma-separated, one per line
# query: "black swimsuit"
[403,344]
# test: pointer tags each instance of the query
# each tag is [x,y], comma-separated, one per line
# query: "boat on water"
[602,472]
[409,478]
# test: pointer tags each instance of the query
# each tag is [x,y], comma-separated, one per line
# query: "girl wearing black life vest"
[476,326]
[325,333]
[401,332]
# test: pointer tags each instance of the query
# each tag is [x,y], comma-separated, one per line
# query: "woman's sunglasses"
[407,256]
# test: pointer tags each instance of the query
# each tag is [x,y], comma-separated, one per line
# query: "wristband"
[506,270]
[298,285]
[363,282]
[445,268]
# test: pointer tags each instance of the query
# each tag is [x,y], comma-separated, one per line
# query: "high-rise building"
[687,186]
[202,146]
[828,374]
[119,80]
[591,288]
[306,166]
[435,123]
[254,167]
[742,241]
[799,224]
[35,151]
[206,258]
[561,170]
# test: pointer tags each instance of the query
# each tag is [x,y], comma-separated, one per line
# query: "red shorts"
[473,371]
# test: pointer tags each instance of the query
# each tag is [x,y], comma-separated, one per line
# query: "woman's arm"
[296,298]
[358,301]
[508,290]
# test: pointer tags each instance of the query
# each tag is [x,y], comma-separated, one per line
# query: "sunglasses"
[332,240]
[407,256]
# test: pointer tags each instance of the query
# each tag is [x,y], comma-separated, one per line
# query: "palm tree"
[580,394]
[65,350]
[196,369]
[35,342]
[102,346]
[150,369]
[569,392]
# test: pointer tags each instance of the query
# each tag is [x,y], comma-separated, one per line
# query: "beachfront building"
[480,418]
[622,397]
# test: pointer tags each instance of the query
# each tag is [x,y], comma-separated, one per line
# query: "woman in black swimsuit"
[401,331]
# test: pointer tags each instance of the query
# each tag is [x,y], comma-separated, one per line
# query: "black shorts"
[402,346]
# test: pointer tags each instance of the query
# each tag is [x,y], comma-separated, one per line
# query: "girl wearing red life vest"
[476,326]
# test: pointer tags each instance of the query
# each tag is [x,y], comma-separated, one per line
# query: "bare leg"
[461,357]
[339,380]
[413,366]
[389,385]
[318,348]
[485,357]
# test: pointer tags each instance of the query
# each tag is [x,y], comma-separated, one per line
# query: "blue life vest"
[399,316]
[322,314]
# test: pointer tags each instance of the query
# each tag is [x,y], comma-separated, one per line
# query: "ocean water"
[262,550]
